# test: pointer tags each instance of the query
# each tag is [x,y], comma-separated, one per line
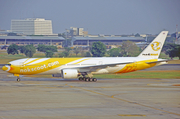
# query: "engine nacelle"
[69,73]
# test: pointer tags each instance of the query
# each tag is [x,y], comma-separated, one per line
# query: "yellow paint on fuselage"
[137,66]
[144,65]
[31,61]
[81,61]
[49,64]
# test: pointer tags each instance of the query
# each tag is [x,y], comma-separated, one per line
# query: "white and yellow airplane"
[84,68]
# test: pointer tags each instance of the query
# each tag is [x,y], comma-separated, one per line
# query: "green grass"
[142,75]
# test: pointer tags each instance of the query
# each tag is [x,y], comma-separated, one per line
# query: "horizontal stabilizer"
[164,60]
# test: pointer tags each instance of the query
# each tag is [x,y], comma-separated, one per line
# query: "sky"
[109,17]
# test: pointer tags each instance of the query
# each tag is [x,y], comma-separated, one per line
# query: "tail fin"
[153,50]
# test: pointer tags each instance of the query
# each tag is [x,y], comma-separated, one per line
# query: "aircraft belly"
[113,70]
[109,70]
[101,71]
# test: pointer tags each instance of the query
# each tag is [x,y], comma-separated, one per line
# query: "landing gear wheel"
[91,79]
[80,78]
[18,79]
[87,79]
[94,79]
[84,78]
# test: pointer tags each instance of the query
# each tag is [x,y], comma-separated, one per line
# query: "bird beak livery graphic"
[7,68]
[156,46]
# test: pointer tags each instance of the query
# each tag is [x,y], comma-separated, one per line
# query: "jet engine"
[69,73]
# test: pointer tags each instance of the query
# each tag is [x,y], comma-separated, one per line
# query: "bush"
[12,49]
[98,49]
[49,53]
[88,54]
[29,50]
[64,54]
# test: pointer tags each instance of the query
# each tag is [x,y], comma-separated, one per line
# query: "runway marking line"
[122,99]
[162,84]
[131,115]
[176,85]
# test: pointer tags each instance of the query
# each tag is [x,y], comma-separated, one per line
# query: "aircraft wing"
[92,68]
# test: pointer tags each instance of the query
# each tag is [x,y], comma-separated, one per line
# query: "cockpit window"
[8,64]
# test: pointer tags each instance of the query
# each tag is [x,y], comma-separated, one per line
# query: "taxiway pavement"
[105,99]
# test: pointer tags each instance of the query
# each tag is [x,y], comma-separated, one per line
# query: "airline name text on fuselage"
[39,67]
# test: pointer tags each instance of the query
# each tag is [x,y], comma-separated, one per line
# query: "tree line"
[28,50]
[171,49]
[98,49]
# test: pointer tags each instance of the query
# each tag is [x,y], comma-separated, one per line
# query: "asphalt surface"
[35,98]
[105,99]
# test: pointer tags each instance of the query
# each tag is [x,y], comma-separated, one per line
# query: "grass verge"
[143,75]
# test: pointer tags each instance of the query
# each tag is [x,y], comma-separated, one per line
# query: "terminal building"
[110,42]
[35,40]
[32,26]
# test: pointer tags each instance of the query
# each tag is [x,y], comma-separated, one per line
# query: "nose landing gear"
[18,78]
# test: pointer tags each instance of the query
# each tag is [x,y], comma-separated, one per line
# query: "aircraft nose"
[4,68]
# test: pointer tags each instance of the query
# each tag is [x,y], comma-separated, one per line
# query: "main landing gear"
[84,76]
[87,79]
